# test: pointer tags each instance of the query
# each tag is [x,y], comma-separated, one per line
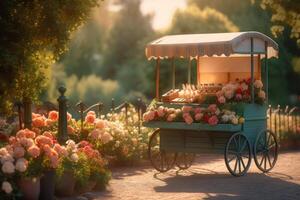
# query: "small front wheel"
[160,159]
[184,160]
[265,151]
[238,154]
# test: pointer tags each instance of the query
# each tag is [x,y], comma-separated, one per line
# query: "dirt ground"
[208,178]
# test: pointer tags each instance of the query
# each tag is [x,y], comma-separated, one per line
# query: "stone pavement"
[206,179]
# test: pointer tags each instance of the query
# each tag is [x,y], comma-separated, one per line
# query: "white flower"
[106,137]
[6,187]
[74,157]
[21,165]
[71,144]
[225,118]
[8,167]
[258,84]
[234,120]
[117,144]
[244,86]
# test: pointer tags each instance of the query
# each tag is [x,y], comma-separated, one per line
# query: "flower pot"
[86,188]
[47,185]
[30,188]
[65,184]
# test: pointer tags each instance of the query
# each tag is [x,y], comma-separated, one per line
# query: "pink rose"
[187,109]
[238,97]
[34,151]
[60,150]
[29,134]
[8,167]
[69,116]
[47,149]
[187,118]
[100,124]
[221,99]
[42,140]
[19,152]
[198,116]
[6,187]
[49,122]
[160,111]
[53,115]
[19,134]
[197,110]
[91,113]
[212,108]
[38,122]
[90,119]
[258,84]
[106,137]
[26,142]
[261,94]
[171,117]
[21,165]
[213,120]
[95,134]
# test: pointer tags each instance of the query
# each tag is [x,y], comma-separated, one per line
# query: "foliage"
[284,13]
[35,35]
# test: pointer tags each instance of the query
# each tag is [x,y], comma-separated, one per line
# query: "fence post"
[81,110]
[27,112]
[275,122]
[62,120]
[287,116]
[113,105]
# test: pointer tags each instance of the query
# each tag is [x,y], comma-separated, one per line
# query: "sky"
[163,11]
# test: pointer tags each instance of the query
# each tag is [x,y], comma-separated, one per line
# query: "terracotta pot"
[86,188]
[47,185]
[65,185]
[30,188]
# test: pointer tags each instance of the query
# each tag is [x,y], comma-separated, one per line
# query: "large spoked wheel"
[184,160]
[265,151]
[238,154]
[160,159]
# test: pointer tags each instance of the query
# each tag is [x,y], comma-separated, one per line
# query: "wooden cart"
[223,57]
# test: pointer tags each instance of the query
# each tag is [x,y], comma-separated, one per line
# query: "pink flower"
[47,149]
[35,115]
[160,111]
[238,97]
[19,152]
[100,124]
[258,84]
[106,137]
[6,187]
[7,157]
[91,113]
[8,167]
[188,118]
[60,150]
[90,119]
[29,133]
[197,110]
[42,140]
[198,116]
[53,115]
[95,134]
[21,165]
[219,93]
[49,122]
[54,158]
[229,94]
[221,99]
[213,120]
[212,108]
[34,151]
[149,116]
[69,116]
[70,130]
[187,108]
[48,134]
[26,142]
[19,134]
[171,117]
[38,122]
[261,94]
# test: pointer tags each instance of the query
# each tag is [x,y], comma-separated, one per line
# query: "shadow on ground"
[220,186]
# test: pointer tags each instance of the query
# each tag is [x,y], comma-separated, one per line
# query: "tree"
[126,39]
[284,13]
[34,34]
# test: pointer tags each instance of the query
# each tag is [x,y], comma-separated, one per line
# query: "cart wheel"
[184,160]
[238,154]
[265,151]
[160,159]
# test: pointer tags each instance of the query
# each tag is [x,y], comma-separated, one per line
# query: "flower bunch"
[210,115]
[239,91]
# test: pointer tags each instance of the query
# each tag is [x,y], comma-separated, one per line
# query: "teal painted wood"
[193,126]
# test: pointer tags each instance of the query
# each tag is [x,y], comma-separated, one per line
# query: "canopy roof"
[213,44]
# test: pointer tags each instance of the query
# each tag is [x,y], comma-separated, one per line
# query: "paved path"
[207,179]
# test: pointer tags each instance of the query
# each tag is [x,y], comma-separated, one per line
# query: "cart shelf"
[193,126]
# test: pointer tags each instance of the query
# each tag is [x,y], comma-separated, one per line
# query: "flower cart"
[222,111]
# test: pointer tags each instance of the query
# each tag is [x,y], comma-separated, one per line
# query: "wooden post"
[113,105]
[27,112]
[266,72]
[173,74]
[62,119]
[189,71]
[157,79]
[252,73]
[198,71]
[19,107]
[275,123]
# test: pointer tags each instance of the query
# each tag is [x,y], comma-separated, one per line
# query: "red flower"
[239,90]
[206,118]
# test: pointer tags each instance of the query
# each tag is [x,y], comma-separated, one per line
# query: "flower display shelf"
[193,126]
